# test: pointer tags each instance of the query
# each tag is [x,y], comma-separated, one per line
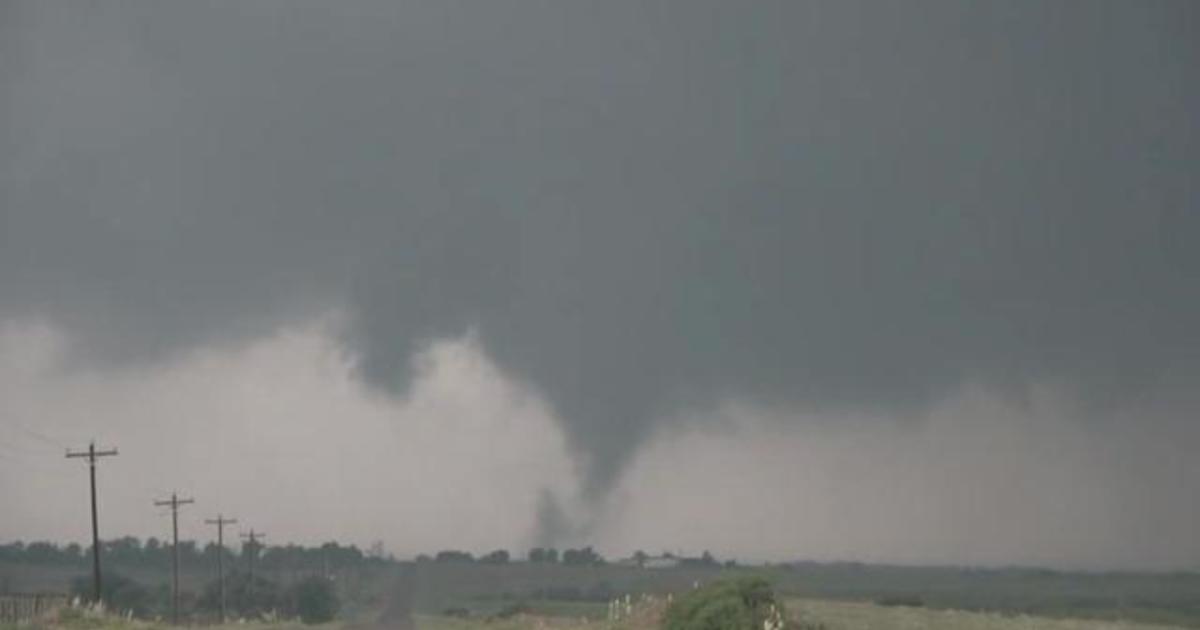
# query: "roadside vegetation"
[738,604]
[557,586]
[746,603]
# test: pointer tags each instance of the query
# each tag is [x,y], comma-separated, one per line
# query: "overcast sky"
[908,282]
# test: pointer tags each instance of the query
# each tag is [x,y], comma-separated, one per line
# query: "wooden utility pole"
[252,548]
[221,522]
[92,454]
[175,502]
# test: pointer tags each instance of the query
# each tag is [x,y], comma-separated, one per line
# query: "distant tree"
[640,557]
[155,553]
[128,553]
[126,550]
[498,556]
[313,599]
[244,597]
[12,552]
[44,553]
[581,557]
[543,555]
[188,552]
[453,556]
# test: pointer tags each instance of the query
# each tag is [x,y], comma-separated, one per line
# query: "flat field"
[811,614]
[833,615]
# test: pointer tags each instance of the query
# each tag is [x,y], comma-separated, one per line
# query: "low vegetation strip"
[86,618]
[742,604]
[16,609]
[833,615]
[749,604]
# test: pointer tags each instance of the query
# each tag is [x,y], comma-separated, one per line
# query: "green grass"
[79,619]
[1165,599]
[519,622]
[810,613]
[863,616]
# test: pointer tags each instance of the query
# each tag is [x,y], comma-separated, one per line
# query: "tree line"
[584,556]
[131,552]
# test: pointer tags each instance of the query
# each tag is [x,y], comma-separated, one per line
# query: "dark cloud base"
[640,210]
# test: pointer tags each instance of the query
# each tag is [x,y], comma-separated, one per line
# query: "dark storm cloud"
[640,207]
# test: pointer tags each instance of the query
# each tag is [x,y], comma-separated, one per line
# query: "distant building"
[660,562]
[667,561]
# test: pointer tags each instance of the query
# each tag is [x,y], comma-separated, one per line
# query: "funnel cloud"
[639,211]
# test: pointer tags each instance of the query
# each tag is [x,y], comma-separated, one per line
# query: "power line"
[175,502]
[37,435]
[221,522]
[92,455]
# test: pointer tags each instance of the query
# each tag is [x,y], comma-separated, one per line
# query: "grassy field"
[77,619]
[557,593]
[809,613]
[816,614]
[833,615]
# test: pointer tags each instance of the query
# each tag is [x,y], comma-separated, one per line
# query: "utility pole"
[92,454]
[221,522]
[175,502]
[251,550]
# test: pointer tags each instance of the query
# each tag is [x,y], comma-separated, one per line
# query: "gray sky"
[898,282]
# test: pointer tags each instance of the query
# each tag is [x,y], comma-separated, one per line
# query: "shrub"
[742,604]
[498,556]
[119,593]
[451,555]
[313,599]
[244,598]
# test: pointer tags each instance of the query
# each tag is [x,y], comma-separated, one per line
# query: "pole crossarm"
[109,453]
[174,503]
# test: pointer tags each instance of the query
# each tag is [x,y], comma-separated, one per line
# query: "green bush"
[742,604]
[119,593]
[313,599]
[244,597]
